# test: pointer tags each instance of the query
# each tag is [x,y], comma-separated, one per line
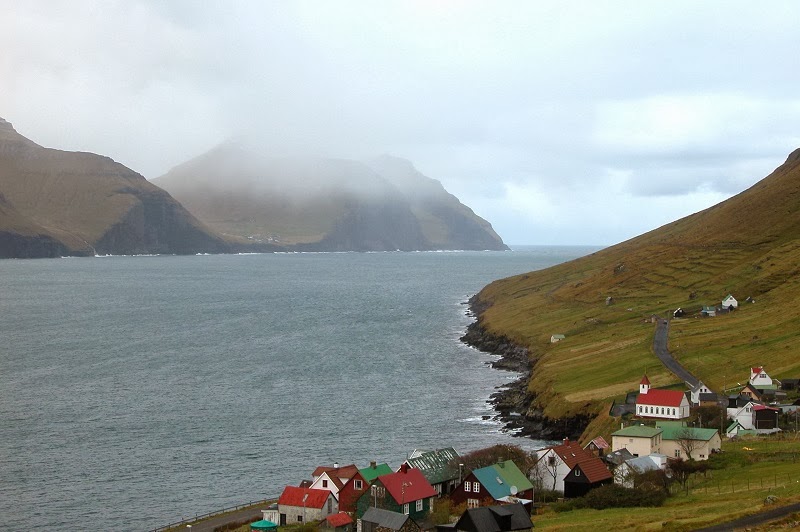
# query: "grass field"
[751,470]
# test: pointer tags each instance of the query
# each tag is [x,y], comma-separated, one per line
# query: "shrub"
[615,496]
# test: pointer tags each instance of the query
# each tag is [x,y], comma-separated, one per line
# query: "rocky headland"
[515,402]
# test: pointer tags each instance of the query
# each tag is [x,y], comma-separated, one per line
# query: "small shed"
[263,525]
[730,302]
[556,338]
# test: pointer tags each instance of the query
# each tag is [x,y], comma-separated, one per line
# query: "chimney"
[404,468]
[336,465]
[566,440]
[373,464]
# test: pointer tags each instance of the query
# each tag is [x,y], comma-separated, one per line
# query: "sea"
[138,391]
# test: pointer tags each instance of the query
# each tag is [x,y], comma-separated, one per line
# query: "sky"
[563,122]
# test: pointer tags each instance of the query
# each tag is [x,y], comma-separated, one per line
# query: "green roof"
[675,430]
[638,431]
[511,474]
[371,473]
[263,525]
[498,479]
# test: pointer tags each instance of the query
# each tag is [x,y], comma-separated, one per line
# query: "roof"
[263,525]
[407,485]
[437,466]
[385,518]
[488,518]
[661,398]
[371,473]
[571,453]
[642,464]
[645,380]
[345,472]
[559,336]
[678,431]
[599,442]
[638,431]
[765,407]
[340,519]
[308,497]
[618,457]
[499,479]
[757,370]
[595,470]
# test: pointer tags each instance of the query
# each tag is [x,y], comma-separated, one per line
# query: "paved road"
[660,348]
[209,525]
[754,520]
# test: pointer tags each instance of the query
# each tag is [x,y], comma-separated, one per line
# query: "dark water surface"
[135,391]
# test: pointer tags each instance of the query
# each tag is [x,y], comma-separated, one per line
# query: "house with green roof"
[639,440]
[499,483]
[681,441]
[440,468]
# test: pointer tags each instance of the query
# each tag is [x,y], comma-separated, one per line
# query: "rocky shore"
[514,402]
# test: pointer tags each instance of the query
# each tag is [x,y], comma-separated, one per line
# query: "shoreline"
[514,402]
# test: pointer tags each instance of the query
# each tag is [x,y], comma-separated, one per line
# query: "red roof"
[756,370]
[293,496]
[764,407]
[595,470]
[340,519]
[345,472]
[407,485]
[661,398]
[645,380]
[600,443]
[572,453]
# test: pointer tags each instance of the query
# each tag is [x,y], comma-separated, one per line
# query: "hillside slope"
[748,246]
[55,203]
[324,204]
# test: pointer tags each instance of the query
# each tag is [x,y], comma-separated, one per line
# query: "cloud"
[534,114]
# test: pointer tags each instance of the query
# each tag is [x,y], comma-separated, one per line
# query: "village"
[663,439]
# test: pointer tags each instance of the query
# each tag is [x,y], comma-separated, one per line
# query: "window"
[358,484]
[324,483]
[467,486]
[677,453]
[405,508]
[476,487]
[419,505]
[330,505]
[299,518]
[551,461]
[472,503]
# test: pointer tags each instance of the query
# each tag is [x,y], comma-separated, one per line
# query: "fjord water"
[135,391]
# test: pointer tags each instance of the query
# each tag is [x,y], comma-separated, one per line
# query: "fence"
[199,517]
[702,485]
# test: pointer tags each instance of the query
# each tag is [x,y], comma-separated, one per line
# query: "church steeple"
[644,386]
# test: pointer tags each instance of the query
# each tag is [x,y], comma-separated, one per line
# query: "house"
[751,392]
[640,440]
[407,492]
[743,414]
[440,468]
[696,391]
[736,429]
[680,441]
[556,338]
[341,522]
[351,491]
[332,478]
[380,520]
[598,446]
[789,384]
[664,404]
[499,483]
[708,312]
[585,476]
[305,505]
[553,464]
[614,461]
[508,517]
[765,419]
[625,473]
[730,302]
[759,377]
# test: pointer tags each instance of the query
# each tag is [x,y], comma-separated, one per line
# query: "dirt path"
[666,358]
[754,520]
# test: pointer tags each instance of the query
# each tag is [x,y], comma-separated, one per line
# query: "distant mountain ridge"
[324,204]
[55,203]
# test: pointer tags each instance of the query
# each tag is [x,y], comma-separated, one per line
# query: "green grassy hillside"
[748,246]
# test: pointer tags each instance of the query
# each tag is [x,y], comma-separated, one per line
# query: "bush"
[615,496]
[548,495]
[568,505]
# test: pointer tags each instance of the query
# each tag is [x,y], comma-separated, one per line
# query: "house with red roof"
[759,377]
[555,464]
[340,522]
[598,447]
[585,476]
[662,404]
[346,483]
[305,505]
[407,492]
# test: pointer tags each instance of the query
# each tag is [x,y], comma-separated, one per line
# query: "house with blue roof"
[501,483]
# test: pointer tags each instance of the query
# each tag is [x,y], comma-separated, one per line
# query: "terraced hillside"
[748,246]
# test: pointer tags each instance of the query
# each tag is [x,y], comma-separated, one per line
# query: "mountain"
[324,204]
[55,203]
[748,246]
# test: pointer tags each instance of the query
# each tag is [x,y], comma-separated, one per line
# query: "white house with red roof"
[554,464]
[662,404]
[305,505]
[759,377]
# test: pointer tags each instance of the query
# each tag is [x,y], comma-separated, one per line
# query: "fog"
[559,122]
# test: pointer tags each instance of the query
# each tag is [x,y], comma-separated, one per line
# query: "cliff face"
[67,203]
[324,204]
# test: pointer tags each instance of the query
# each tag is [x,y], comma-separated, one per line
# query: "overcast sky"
[559,122]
